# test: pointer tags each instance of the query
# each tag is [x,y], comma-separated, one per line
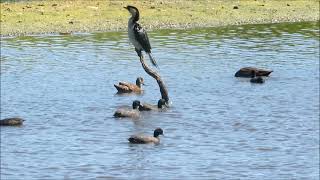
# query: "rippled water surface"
[218,126]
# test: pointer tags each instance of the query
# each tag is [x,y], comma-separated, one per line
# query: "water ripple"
[218,127]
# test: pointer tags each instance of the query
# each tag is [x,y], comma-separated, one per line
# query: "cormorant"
[137,35]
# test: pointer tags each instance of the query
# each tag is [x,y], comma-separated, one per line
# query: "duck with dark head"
[128,113]
[125,87]
[143,139]
[255,78]
[149,107]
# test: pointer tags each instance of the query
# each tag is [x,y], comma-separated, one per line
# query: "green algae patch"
[42,17]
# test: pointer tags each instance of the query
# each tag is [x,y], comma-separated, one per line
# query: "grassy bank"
[36,17]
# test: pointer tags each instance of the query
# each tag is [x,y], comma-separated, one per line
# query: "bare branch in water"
[156,76]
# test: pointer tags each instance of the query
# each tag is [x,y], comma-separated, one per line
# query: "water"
[219,127]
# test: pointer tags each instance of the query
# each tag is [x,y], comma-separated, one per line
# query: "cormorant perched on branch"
[137,35]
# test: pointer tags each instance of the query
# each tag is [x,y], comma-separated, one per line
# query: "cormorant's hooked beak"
[126,7]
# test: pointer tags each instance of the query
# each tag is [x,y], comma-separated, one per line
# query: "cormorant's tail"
[153,61]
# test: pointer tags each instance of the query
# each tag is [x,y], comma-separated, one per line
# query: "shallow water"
[218,126]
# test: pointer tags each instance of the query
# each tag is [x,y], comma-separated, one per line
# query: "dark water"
[219,127]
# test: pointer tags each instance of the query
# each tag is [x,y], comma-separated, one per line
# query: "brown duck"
[11,121]
[247,72]
[143,139]
[124,87]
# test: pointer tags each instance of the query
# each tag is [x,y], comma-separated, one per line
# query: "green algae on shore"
[42,17]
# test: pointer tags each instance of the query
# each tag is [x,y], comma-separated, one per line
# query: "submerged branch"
[156,76]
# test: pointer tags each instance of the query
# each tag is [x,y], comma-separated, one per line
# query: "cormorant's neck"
[135,17]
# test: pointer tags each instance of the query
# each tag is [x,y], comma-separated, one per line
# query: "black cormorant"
[137,35]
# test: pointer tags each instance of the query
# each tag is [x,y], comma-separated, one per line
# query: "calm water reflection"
[219,127]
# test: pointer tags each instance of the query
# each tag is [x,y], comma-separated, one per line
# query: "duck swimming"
[143,139]
[149,107]
[246,72]
[124,87]
[11,121]
[255,78]
[133,113]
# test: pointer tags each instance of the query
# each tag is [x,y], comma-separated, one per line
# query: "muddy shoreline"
[47,17]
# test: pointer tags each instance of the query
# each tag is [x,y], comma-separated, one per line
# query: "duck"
[246,72]
[125,87]
[149,107]
[255,78]
[138,35]
[15,121]
[144,139]
[131,113]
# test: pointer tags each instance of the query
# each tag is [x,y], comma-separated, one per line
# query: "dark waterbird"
[11,121]
[255,78]
[149,107]
[143,139]
[137,35]
[131,113]
[247,72]
[125,87]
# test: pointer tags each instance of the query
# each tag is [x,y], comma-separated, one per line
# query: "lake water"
[218,126]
